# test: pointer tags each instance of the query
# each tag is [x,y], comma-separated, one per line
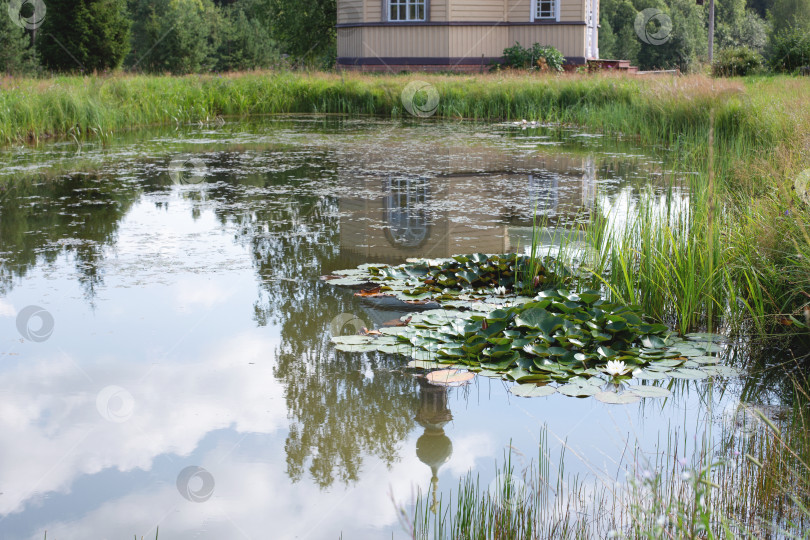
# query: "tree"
[621,42]
[760,7]
[16,54]
[246,43]
[677,25]
[84,35]
[738,27]
[306,28]
[789,14]
[177,36]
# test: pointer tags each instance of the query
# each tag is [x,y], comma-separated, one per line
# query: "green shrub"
[736,62]
[789,50]
[537,57]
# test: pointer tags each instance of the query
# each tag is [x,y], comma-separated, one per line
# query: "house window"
[545,9]
[407,10]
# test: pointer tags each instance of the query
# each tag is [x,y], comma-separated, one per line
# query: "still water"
[179,372]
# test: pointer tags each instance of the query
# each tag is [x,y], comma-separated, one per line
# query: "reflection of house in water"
[405,211]
[433,448]
[453,203]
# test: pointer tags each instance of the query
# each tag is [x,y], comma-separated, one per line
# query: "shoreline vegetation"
[656,110]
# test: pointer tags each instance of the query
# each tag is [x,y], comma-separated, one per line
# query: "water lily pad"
[706,359]
[666,363]
[686,373]
[394,330]
[349,281]
[691,352]
[723,371]
[352,340]
[449,377]
[423,364]
[532,390]
[703,336]
[578,390]
[539,319]
[365,347]
[708,347]
[419,354]
[403,348]
[650,391]
[613,398]
[491,374]
[649,375]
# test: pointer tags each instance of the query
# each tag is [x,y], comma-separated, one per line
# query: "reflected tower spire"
[433,448]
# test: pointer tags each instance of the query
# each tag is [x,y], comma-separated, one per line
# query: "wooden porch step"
[612,65]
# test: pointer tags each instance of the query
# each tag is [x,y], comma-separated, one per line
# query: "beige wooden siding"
[570,40]
[438,10]
[572,10]
[476,10]
[477,41]
[350,42]
[374,11]
[350,11]
[456,41]
[519,10]
[404,41]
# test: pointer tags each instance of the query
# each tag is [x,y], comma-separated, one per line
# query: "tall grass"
[665,258]
[670,111]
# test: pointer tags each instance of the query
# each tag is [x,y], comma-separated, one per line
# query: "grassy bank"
[743,248]
[655,109]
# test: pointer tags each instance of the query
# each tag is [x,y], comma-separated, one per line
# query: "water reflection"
[75,218]
[433,448]
[459,212]
[203,301]
[406,211]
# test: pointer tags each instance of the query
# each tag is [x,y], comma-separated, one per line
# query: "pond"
[165,335]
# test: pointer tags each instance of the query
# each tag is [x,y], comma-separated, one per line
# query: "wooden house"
[460,35]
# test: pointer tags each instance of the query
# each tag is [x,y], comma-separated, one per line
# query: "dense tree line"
[164,36]
[762,28]
[190,36]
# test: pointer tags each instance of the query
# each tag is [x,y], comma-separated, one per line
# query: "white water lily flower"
[615,368]
[500,290]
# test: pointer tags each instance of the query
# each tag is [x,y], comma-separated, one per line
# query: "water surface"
[190,328]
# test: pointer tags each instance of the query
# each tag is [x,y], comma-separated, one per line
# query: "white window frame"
[554,12]
[408,4]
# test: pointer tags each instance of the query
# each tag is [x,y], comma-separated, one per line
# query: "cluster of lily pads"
[445,279]
[577,344]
